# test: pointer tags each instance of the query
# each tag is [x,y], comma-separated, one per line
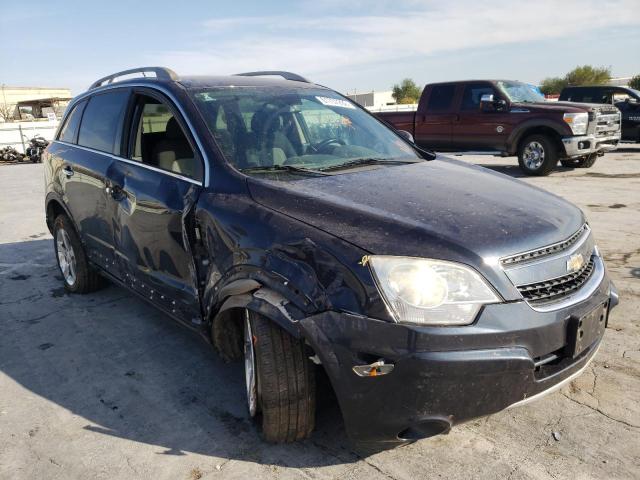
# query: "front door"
[153,192]
[480,130]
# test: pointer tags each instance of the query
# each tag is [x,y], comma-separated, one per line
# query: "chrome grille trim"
[544,251]
[553,289]
[587,289]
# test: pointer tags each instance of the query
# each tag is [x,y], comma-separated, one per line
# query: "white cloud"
[321,43]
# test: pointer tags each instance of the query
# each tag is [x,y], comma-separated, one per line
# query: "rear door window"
[102,121]
[473,92]
[69,131]
[441,98]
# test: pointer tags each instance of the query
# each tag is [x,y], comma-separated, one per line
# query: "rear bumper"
[588,144]
[446,376]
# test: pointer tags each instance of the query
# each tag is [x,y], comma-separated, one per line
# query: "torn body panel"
[153,236]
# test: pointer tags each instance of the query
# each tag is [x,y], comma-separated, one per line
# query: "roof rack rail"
[286,75]
[162,73]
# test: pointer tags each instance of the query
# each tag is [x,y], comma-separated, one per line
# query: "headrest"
[264,118]
[173,129]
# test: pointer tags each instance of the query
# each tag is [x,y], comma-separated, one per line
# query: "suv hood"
[442,209]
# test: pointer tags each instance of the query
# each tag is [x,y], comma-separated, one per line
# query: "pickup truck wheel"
[77,274]
[280,380]
[583,162]
[537,155]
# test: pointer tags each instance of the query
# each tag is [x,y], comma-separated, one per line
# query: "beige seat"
[173,152]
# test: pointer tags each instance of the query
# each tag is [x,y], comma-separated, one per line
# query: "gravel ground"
[104,386]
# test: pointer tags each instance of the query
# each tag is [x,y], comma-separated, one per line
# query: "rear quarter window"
[441,98]
[102,121]
[69,130]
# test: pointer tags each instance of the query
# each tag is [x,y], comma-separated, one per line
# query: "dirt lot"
[104,386]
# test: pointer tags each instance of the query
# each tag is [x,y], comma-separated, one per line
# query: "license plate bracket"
[584,330]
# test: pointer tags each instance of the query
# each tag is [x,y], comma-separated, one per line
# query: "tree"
[552,85]
[582,75]
[406,92]
[588,75]
[6,110]
[635,82]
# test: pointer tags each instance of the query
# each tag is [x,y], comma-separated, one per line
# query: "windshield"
[521,92]
[294,131]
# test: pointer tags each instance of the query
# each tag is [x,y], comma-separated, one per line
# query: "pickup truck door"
[481,130]
[153,190]
[435,116]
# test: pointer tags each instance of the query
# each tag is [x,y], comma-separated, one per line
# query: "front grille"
[550,290]
[541,252]
[607,123]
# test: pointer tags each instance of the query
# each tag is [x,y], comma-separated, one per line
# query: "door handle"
[68,170]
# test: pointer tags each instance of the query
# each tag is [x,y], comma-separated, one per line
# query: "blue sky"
[346,45]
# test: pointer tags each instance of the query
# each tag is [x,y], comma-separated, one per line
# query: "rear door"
[87,157]
[153,191]
[475,129]
[435,116]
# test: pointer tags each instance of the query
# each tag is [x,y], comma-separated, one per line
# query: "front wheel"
[280,380]
[583,162]
[537,155]
[77,274]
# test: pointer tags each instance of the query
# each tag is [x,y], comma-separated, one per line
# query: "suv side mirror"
[406,135]
[488,103]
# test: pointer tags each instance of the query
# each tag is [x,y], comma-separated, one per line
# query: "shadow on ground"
[131,372]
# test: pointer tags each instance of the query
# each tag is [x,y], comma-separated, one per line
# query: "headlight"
[430,292]
[577,122]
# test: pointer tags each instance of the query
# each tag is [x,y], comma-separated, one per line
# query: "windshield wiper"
[367,161]
[283,168]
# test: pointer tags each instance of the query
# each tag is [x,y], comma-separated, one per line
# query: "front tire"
[583,162]
[78,276]
[281,385]
[537,155]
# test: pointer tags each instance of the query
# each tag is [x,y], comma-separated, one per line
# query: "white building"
[373,99]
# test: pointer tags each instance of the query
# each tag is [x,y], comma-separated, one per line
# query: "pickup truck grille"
[541,252]
[607,124]
[553,289]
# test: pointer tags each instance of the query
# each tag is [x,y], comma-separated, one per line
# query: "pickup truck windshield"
[521,92]
[262,130]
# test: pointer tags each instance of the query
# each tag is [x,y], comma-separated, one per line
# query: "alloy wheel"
[66,257]
[533,155]
[250,366]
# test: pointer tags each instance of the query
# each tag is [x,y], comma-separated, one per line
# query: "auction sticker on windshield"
[335,102]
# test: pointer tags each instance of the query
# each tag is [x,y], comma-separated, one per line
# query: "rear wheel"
[583,162]
[77,274]
[537,155]
[280,380]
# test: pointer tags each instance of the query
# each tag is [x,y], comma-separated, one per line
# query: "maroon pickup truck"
[512,118]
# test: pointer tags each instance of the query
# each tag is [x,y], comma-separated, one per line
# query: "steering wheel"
[318,147]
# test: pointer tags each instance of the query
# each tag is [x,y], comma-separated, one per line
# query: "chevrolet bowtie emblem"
[575,263]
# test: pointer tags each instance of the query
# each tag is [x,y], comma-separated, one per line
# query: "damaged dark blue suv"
[295,231]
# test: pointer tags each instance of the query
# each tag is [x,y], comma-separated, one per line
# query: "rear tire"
[284,381]
[537,155]
[583,162]
[78,276]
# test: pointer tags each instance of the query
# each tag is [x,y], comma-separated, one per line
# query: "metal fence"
[18,134]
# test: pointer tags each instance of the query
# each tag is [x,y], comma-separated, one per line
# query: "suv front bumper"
[587,144]
[443,376]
